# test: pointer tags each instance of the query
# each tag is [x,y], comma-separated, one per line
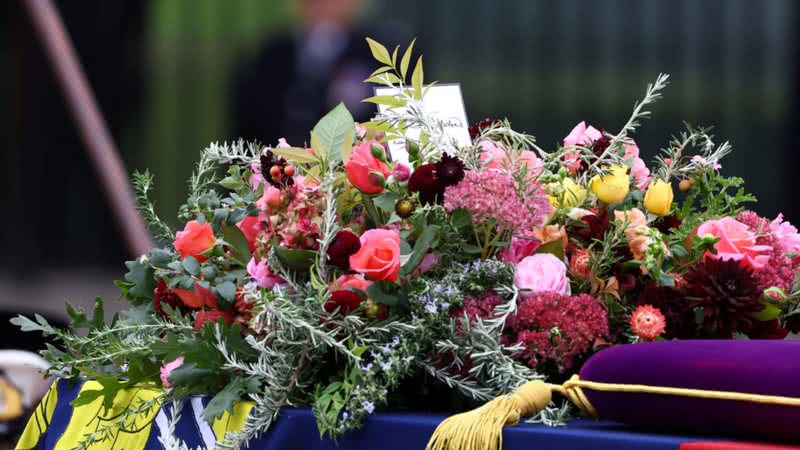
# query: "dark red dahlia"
[674,306]
[163,295]
[449,170]
[276,170]
[596,225]
[347,301]
[424,181]
[726,293]
[476,128]
[667,223]
[345,244]
[770,329]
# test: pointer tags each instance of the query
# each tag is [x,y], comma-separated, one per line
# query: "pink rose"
[541,272]
[519,248]
[494,156]
[167,369]
[785,233]
[639,171]
[352,281]
[379,255]
[736,242]
[263,274]
[364,170]
[195,239]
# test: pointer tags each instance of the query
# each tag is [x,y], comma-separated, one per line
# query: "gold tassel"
[482,428]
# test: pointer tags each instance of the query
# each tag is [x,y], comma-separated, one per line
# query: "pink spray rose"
[363,169]
[582,135]
[401,172]
[639,171]
[352,281]
[167,369]
[785,233]
[494,156]
[263,274]
[518,249]
[736,242]
[379,255]
[539,273]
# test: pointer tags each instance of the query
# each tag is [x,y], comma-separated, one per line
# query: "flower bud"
[613,187]
[685,185]
[376,178]
[404,208]
[658,199]
[401,172]
[378,152]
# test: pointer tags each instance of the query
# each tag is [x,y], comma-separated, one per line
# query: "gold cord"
[482,428]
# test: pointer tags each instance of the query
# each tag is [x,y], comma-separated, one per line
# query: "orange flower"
[194,240]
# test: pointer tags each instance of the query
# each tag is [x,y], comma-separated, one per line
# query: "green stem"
[372,211]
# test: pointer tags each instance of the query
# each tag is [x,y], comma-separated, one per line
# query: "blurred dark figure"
[296,79]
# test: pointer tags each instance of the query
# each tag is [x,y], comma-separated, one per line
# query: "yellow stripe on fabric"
[232,422]
[92,417]
[40,420]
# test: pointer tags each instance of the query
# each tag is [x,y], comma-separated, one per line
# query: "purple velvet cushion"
[755,366]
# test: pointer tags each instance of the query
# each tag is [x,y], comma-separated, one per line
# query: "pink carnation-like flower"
[639,171]
[540,273]
[492,194]
[648,322]
[263,274]
[167,369]
[519,248]
[557,328]
[736,242]
[495,157]
[785,233]
[581,135]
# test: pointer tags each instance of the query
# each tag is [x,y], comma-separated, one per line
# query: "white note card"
[441,100]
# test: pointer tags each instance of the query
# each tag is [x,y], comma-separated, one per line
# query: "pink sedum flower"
[263,274]
[541,273]
[167,369]
[736,242]
[785,233]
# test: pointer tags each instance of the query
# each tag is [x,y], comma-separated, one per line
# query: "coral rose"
[251,227]
[194,240]
[352,281]
[539,273]
[364,169]
[736,242]
[379,255]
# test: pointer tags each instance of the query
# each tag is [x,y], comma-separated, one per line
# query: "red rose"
[346,301]
[251,227]
[195,239]
[379,255]
[365,171]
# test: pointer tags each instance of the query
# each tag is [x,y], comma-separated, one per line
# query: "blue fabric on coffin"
[296,429]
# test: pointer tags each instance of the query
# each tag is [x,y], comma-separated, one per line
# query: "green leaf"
[110,387]
[142,283]
[388,100]
[26,324]
[406,59]
[553,247]
[334,130]
[386,201]
[377,293]
[461,218]
[416,78]
[224,400]
[295,259]
[227,291]
[237,243]
[379,52]
[421,247]
[296,154]
[384,78]
[394,55]
[160,257]
[191,265]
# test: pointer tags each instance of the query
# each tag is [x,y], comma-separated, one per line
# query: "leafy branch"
[143,186]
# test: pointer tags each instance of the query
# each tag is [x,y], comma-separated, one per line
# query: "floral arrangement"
[329,276]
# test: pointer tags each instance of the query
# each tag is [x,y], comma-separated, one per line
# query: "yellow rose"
[658,199]
[572,194]
[612,187]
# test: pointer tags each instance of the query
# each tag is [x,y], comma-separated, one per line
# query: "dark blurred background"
[173,75]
